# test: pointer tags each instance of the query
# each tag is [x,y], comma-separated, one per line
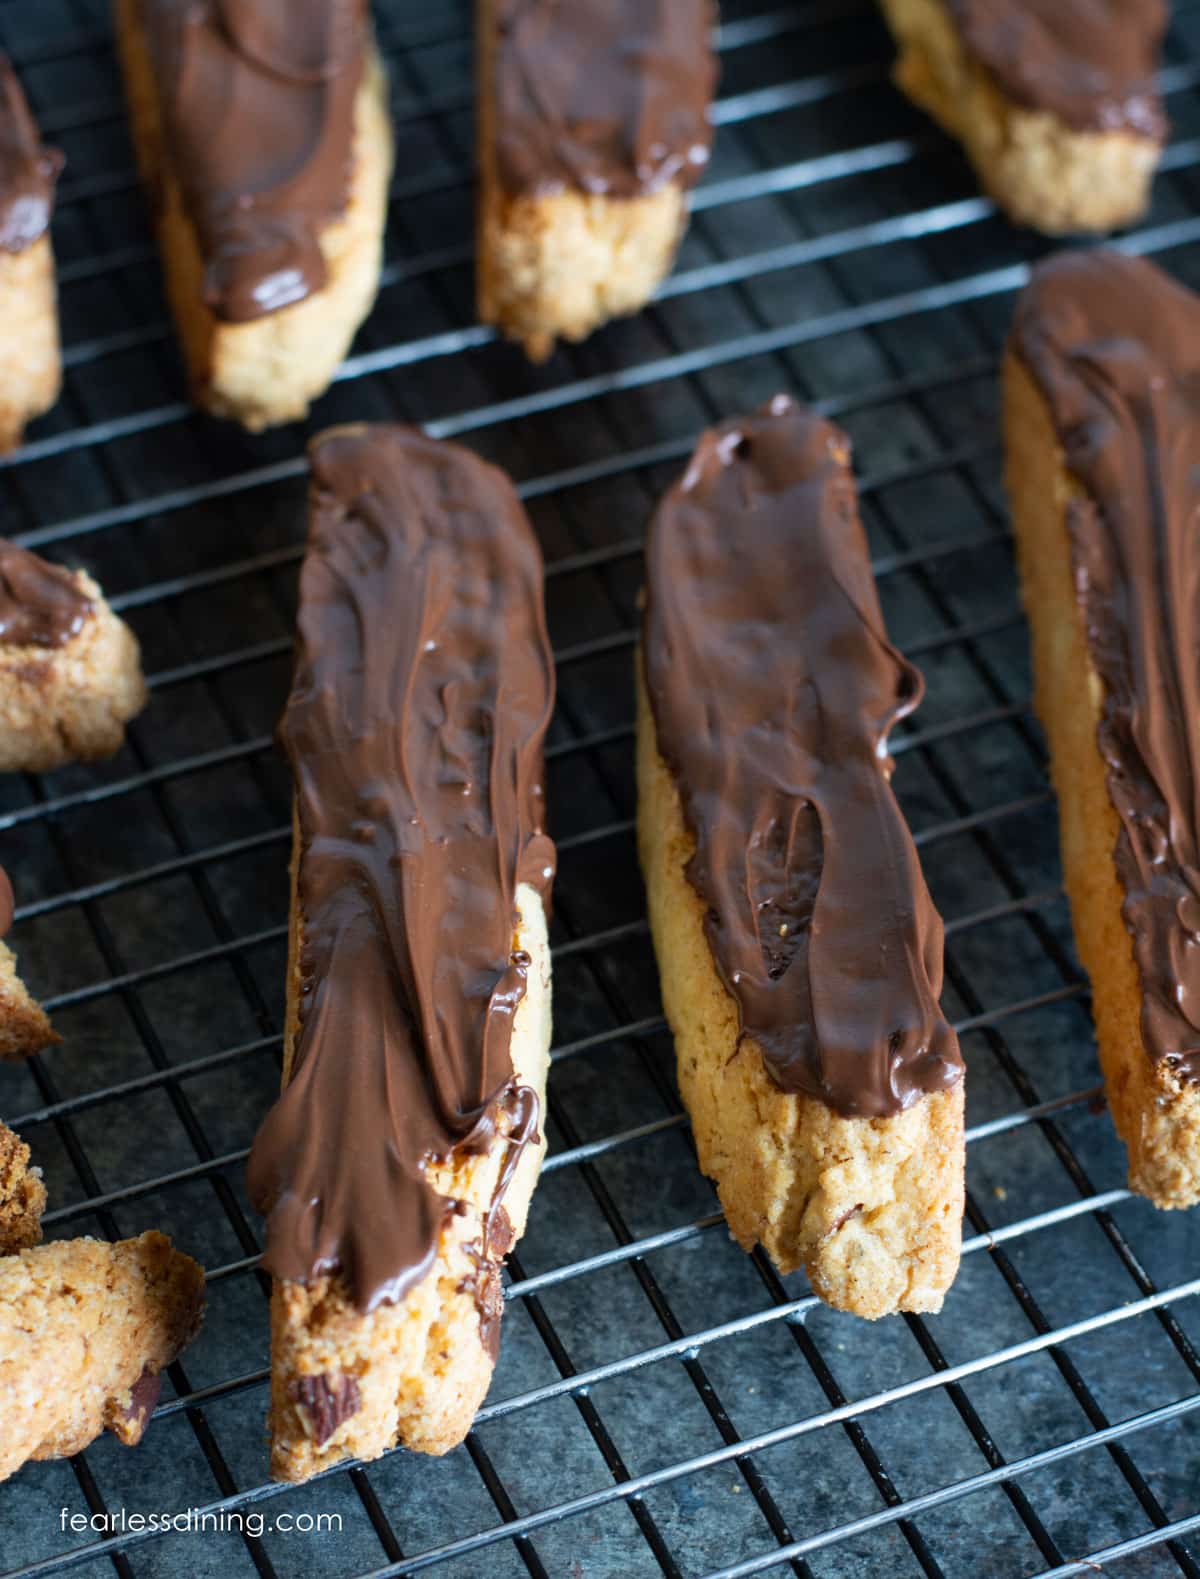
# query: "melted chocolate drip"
[257,102]
[41,604]
[497,1239]
[423,688]
[1114,346]
[28,171]
[1089,62]
[774,687]
[602,96]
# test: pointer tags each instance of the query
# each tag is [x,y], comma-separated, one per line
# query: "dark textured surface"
[839,249]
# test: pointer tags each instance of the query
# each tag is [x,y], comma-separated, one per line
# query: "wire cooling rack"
[663,1404]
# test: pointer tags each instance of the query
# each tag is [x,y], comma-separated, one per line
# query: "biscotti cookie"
[70,670]
[29,344]
[1102,435]
[396,1169]
[1054,101]
[22,1195]
[592,124]
[24,1026]
[85,1329]
[263,137]
[799,950]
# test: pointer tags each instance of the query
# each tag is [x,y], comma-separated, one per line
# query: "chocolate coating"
[41,605]
[602,96]
[257,104]
[28,171]
[7,904]
[1091,63]
[423,688]
[1114,346]
[773,687]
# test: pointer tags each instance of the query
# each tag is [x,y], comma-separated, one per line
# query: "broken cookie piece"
[22,1195]
[85,1329]
[24,1026]
[70,670]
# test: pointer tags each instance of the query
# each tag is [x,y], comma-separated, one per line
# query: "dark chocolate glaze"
[41,605]
[28,170]
[423,688]
[773,687]
[601,96]
[1091,63]
[257,104]
[7,904]
[1114,346]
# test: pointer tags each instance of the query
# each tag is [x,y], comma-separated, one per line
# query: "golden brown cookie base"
[1157,1115]
[1036,167]
[557,267]
[871,1208]
[70,703]
[81,1322]
[265,371]
[416,1370]
[25,1028]
[22,1196]
[29,348]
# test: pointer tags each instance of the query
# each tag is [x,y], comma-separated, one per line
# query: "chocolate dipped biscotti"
[1054,101]
[29,343]
[70,669]
[397,1166]
[1102,435]
[592,124]
[262,134]
[799,950]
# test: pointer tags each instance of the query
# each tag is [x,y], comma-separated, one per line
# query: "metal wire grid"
[663,1404]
